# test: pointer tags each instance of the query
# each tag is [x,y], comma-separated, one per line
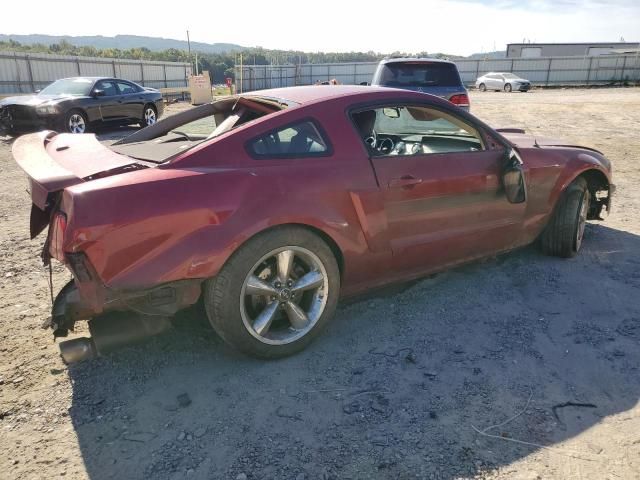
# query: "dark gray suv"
[428,75]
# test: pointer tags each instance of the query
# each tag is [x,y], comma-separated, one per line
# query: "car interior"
[300,139]
[410,130]
[176,134]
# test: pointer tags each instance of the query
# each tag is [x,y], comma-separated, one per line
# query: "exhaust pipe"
[110,332]
[77,349]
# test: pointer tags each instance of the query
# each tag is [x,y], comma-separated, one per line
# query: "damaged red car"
[274,204]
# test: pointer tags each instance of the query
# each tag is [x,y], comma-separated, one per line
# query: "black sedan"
[75,104]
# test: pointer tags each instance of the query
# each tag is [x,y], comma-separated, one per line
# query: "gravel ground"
[518,367]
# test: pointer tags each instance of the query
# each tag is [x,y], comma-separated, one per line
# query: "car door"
[491,82]
[440,179]
[106,99]
[131,100]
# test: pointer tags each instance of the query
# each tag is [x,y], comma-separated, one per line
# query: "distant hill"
[489,55]
[124,42]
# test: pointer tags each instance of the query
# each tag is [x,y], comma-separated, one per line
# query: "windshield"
[510,75]
[418,121]
[68,86]
[423,74]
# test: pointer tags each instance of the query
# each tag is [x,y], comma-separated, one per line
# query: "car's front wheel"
[75,121]
[275,294]
[483,87]
[565,231]
[507,88]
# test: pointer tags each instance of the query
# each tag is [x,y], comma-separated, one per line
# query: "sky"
[458,27]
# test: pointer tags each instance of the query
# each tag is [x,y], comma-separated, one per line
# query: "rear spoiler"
[55,161]
[45,175]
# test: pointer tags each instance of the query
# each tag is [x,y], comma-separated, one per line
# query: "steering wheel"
[386,146]
[372,140]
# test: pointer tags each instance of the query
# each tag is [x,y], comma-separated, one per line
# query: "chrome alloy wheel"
[582,218]
[76,123]
[284,295]
[149,116]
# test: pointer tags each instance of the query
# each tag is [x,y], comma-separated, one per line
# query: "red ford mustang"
[272,205]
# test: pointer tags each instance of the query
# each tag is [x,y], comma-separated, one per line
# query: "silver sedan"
[500,81]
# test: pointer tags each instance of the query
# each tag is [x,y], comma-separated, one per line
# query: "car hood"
[34,100]
[519,138]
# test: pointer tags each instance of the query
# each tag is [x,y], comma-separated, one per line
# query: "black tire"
[66,125]
[144,120]
[9,128]
[10,131]
[507,88]
[223,293]
[563,234]
[482,87]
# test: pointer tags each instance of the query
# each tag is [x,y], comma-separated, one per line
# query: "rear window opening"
[419,74]
[300,139]
[178,133]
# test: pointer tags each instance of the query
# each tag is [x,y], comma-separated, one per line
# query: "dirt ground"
[403,384]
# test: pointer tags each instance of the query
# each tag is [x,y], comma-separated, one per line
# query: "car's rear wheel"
[507,88]
[149,116]
[76,121]
[275,294]
[564,233]
[483,87]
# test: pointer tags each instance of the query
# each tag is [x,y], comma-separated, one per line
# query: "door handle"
[406,181]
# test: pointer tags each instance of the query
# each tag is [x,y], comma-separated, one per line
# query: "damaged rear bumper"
[75,303]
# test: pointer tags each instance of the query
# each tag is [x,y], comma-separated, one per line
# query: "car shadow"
[404,385]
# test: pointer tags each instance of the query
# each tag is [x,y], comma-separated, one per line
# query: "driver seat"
[365,121]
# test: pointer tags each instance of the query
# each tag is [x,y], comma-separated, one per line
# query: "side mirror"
[364,84]
[98,93]
[38,90]
[513,178]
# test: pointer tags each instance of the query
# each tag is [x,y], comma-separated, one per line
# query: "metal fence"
[27,72]
[596,70]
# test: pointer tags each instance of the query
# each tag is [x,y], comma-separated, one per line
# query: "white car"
[499,81]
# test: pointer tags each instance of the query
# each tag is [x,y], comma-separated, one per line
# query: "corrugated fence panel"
[177,72]
[43,71]
[90,69]
[10,70]
[130,72]
[542,71]
[24,73]
[153,73]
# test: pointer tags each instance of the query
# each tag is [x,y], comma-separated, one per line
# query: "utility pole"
[189,46]
[241,74]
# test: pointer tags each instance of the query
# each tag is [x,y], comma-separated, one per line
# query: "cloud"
[556,5]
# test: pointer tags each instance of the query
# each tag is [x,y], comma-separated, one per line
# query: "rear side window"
[301,139]
[421,74]
[126,88]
